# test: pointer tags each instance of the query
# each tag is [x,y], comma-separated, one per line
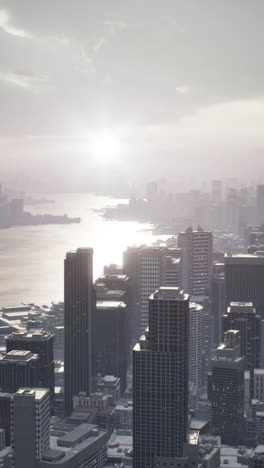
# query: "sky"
[171,88]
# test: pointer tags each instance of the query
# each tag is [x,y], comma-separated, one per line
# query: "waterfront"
[31,257]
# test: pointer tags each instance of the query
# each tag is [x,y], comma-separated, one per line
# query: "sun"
[105,147]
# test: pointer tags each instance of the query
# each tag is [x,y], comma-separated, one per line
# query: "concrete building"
[197,260]
[79,303]
[256,459]
[259,384]
[30,426]
[84,446]
[161,380]
[244,280]
[5,415]
[38,342]
[18,368]
[109,385]
[226,390]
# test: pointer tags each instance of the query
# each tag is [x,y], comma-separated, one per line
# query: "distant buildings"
[161,380]
[197,260]
[79,303]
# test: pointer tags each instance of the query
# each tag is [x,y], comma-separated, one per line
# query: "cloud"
[25,80]
[9,28]
[182,89]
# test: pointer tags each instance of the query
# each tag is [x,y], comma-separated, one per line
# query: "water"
[31,258]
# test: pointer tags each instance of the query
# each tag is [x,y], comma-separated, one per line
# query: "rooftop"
[110,305]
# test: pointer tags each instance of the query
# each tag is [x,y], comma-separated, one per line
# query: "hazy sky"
[178,84]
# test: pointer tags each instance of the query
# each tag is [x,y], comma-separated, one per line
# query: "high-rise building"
[196,349]
[18,368]
[161,380]
[260,204]
[111,344]
[244,280]
[226,390]
[30,426]
[38,342]
[152,192]
[242,316]
[147,269]
[5,415]
[218,307]
[79,304]
[216,191]
[197,260]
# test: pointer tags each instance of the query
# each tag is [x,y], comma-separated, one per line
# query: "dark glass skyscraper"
[79,303]
[160,380]
[244,280]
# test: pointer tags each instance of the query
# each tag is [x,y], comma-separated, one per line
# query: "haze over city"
[168,87]
[131,234]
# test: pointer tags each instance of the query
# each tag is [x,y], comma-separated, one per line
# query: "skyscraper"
[79,303]
[111,344]
[260,204]
[38,342]
[197,260]
[244,280]
[226,390]
[196,348]
[148,269]
[242,316]
[30,426]
[216,191]
[5,415]
[161,379]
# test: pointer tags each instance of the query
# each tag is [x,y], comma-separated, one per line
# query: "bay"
[32,257]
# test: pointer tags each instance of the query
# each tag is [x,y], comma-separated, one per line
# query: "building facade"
[161,380]
[79,303]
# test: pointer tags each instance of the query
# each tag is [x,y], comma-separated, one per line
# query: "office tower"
[242,316]
[216,191]
[172,272]
[117,287]
[79,304]
[161,379]
[196,350]
[197,259]
[38,342]
[244,280]
[30,426]
[152,192]
[258,384]
[226,390]
[111,345]
[260,204]
[17,369]
[218,307]
[5,415]
[146,267]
